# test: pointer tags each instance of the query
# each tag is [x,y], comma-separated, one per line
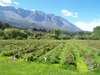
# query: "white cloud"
[8,2]
[69,13]
[88,26]
[32,9]
[16,3]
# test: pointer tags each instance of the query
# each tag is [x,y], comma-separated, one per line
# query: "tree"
[57,33]
[4,25]
[96,32]
[13,33]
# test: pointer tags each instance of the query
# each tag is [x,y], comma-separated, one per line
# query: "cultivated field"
[49,57]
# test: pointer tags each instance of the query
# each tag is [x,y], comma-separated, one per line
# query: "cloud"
[8,2]
[69,13]
[88,26]
[16,3]
[32,9]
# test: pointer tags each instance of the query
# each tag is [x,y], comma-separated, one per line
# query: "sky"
[85,14]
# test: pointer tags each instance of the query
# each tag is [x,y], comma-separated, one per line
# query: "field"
[49,57]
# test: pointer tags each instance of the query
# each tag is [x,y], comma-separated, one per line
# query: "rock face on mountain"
[28,19]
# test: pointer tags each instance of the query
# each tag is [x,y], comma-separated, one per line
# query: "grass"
[25,68]
[55,50]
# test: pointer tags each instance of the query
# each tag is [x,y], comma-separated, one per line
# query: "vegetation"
[96,32]
[79,56]
[9,32]
[13,68]
[51,52]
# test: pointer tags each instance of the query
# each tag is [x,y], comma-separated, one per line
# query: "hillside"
[23,18]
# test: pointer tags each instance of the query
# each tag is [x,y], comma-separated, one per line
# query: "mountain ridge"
[23,18]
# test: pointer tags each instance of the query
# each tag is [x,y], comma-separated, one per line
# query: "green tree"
[96,32]
[13,33]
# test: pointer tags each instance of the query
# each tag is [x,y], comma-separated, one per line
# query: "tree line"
[9,32]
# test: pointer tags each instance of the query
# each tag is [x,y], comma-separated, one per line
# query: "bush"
[12,33]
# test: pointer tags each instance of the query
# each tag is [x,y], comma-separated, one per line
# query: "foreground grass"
[43,48]
[23,68]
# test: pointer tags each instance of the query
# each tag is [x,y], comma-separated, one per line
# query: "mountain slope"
[28,19]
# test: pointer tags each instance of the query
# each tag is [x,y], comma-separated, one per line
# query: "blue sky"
[83,13]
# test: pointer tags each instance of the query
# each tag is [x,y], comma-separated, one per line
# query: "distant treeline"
[9,32]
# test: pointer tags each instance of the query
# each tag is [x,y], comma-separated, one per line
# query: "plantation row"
[80,55]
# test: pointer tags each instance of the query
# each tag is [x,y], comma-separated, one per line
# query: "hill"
[23,18]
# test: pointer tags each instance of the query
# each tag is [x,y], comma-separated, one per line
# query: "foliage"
[96,32]
[11,33]
[73,54]
[23,68]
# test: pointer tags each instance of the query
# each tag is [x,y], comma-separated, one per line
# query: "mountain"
[28,19]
